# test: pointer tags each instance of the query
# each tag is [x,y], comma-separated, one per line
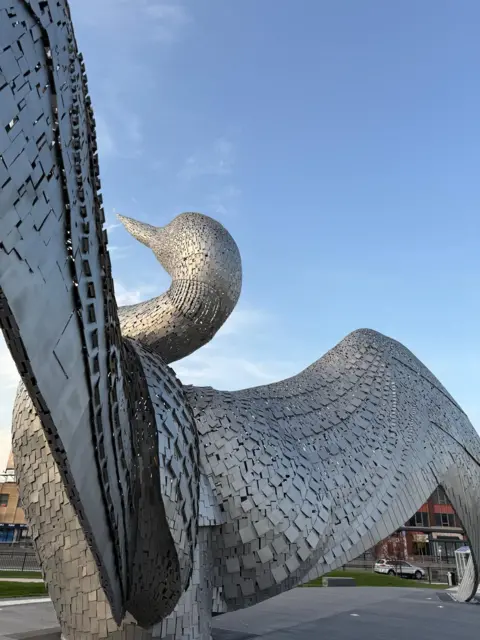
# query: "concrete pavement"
[363,613]
[20,579]
[22,620]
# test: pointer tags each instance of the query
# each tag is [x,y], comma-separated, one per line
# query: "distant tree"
[392,548]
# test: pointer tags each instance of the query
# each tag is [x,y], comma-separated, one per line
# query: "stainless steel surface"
[56,301]
[204,263]
[158,504]
[314,470]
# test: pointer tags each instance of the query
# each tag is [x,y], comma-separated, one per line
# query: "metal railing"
[434,574]
[18,560]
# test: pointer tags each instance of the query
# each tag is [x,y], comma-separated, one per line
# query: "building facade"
[434,532]
[13,527]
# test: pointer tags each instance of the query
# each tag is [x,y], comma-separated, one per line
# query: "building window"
[445,549]
[6,533]
[3,499]
[420,519]
[439,496]
[445,520]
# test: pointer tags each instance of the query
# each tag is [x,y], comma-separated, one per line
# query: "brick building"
[13,527]
[434,532]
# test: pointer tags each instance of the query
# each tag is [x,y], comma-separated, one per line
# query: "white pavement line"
[27,580]
[18,601]
[440,606]
[355,615]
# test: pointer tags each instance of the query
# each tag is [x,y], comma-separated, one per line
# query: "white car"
[399,568]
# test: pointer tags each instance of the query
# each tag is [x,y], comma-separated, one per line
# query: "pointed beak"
[141,231]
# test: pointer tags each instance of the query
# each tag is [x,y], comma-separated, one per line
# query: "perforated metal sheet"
[158,504]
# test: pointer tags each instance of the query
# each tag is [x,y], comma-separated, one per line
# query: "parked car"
[399,568]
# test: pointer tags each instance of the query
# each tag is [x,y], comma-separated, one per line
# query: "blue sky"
[339,143]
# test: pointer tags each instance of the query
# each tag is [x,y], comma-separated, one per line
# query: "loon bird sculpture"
[154,505]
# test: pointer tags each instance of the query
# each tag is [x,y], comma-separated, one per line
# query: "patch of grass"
[371,579]
[22,589]
[20,574]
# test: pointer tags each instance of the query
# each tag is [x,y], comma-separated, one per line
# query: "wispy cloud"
[115,116]
[218,160]
[111,221]
[217,163]
[8,371]
[119,31]
[105,139]
[230,361]
[229,372]
[5,446]
[126,296]
[158,20]
[223,201]
[9,380]
[118,252]
[111,226]
[169,20]
[243,320]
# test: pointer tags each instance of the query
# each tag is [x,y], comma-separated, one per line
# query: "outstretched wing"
[315,470]
[57,307]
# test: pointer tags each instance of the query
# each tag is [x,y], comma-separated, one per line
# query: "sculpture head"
[194,247]
[206,270]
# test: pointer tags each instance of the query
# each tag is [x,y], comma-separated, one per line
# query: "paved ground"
[369,613]
[361,613]
[20,579]
[21,620]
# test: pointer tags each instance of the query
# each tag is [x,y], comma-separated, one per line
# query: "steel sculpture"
[153,505]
